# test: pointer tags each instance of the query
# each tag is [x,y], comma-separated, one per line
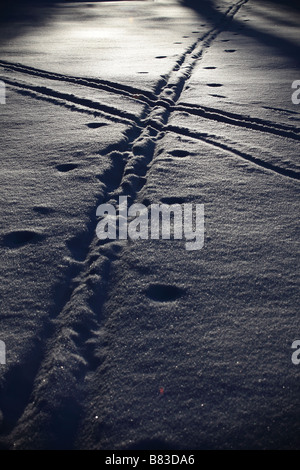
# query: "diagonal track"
[112,87]
[73,102]
[287,172]
[240,120]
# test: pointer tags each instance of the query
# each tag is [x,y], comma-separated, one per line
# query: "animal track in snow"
[65,167]
[75,246]
[96,125]
[172,200]
[43,210]
[18,238]
[164,292]
[179,153]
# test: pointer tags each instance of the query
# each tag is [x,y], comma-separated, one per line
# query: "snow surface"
[142,344]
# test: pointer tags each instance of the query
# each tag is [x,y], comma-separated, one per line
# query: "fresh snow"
[123,344]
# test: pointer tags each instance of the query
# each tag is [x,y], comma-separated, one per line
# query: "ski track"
[239,120]
[69,330]
[73,102]
[106,85]
[211,140]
